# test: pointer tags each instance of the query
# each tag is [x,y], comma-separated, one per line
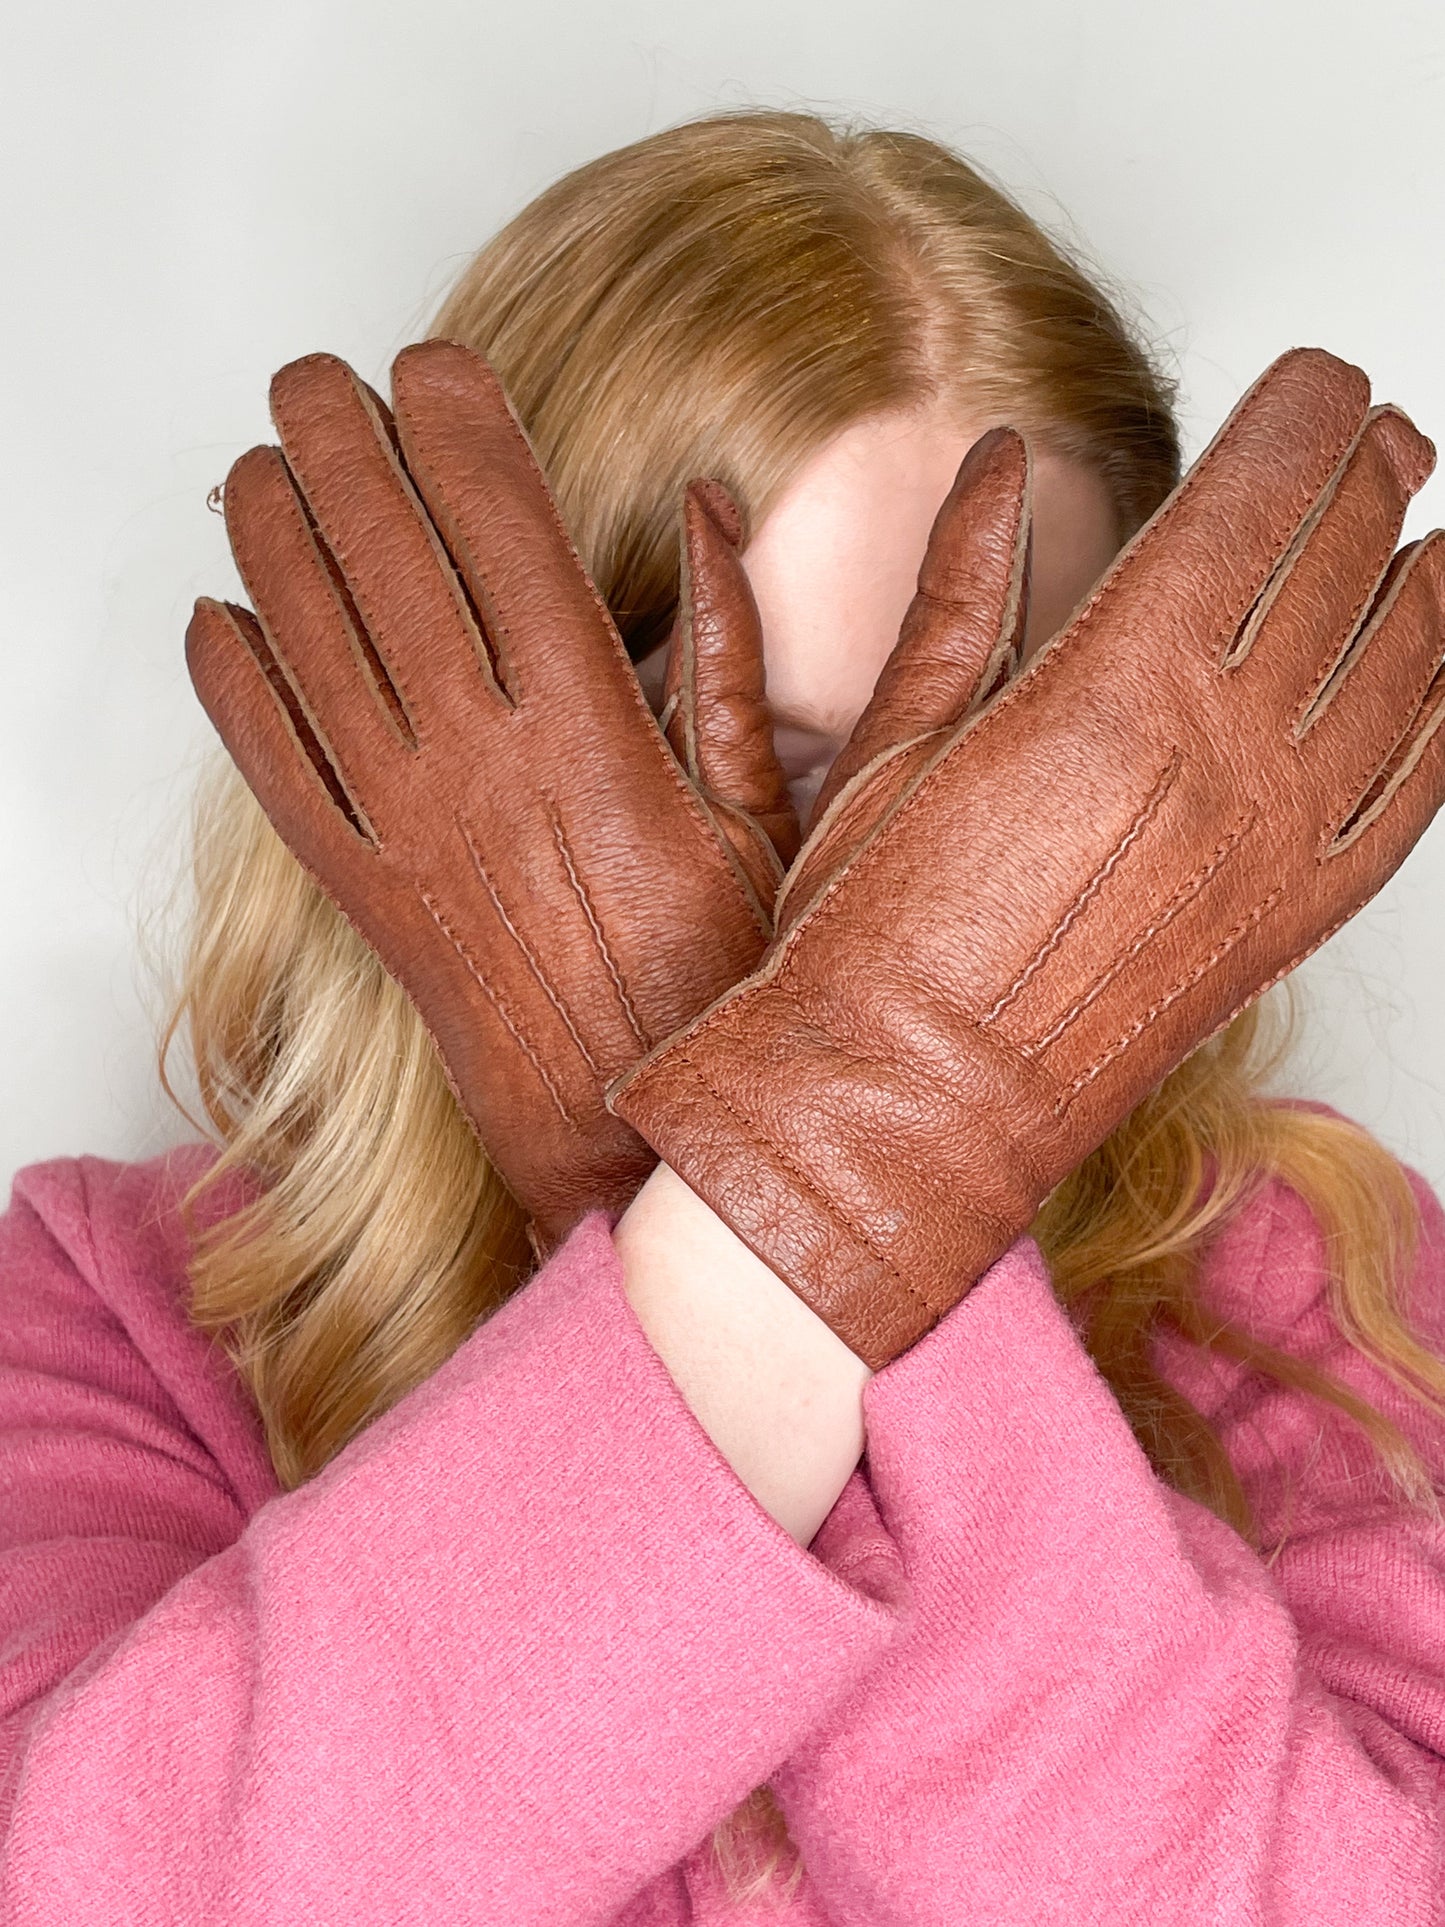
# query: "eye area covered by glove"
[1002,933]
[436,712]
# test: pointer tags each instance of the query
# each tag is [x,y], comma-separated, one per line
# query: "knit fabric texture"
[520,1646]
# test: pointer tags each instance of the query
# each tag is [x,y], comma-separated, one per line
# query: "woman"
[429,1596]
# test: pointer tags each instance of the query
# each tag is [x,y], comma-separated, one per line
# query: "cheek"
[826,635]
[822,681]
[1075,542]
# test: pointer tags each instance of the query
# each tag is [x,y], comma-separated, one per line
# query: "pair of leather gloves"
[1022,898]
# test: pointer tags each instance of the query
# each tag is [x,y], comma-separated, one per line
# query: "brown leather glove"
[434,709]
[1000,938]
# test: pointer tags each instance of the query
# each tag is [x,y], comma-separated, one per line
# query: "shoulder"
[1269,1267]
[1267,1273]
[95,1290]
[103,1219]
[94,1320]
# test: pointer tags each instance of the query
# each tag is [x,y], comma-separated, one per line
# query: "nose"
[804,789]
[805,757]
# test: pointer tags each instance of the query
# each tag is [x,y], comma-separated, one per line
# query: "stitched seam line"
[1182,898]
[1144,543]
[284,690]
[1187,983]
[532,964]
[838,1216]
[1284,970]
[582,897]
[500,1008]
[1312,692]
[410,496]
[1046,668]
[358,637]
[1423,684]
[719,806]
[675,773]
[1163,784]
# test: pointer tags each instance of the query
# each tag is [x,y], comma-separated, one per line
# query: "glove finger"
[1191,576]
[1369,731]
[963,631]
[717,718]
[396,571]
[265,726]
[551,634]
[1307,618]
[1390,819]
[308,618]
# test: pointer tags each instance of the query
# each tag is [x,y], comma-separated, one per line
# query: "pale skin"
[833,566]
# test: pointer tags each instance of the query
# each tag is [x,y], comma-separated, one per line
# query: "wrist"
[774,1387]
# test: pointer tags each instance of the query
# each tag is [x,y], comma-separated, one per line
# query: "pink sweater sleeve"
[1104,1708]
[511,1655]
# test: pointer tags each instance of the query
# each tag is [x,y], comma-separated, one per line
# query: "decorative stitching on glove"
[1162,786]
[1368,807]
[1182,898]
[359,620]
[1187,983]
[1061,648]
[532,964]
[579,890]
[500,1008]
[1321,682]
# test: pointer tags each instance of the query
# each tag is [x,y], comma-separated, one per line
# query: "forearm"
[531,1598]
[779,1394]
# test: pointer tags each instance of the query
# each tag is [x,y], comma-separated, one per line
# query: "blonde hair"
[719,299]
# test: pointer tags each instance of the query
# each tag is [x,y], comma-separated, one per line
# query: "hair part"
[725,297]
[721,299]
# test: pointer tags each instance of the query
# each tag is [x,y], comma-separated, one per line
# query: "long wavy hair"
[720,299]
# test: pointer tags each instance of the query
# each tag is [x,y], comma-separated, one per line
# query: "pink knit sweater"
[518,1648]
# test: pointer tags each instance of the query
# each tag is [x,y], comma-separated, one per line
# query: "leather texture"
[434,708]
[1003,932]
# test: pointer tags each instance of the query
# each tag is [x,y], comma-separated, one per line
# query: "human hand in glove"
[434,709]
[1009,923]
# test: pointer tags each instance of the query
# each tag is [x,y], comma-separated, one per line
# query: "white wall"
[193,195]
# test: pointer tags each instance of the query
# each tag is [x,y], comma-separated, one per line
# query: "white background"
[195,194]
